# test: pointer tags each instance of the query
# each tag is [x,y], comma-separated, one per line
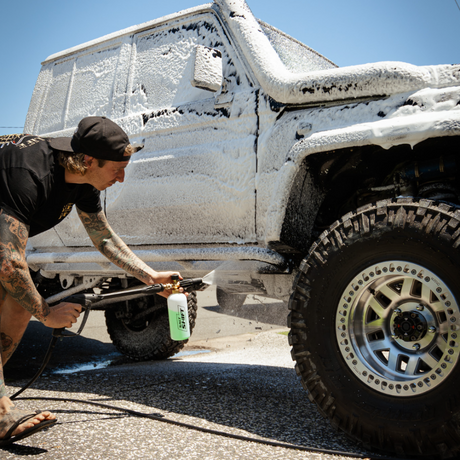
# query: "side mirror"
[208,69]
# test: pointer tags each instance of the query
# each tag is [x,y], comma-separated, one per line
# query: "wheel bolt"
[416,346]
[397,311]
[432,329]
[420,307]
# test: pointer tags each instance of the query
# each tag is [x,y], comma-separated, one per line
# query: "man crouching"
[40,181]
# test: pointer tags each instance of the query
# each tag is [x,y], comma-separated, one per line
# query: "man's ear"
[89,160]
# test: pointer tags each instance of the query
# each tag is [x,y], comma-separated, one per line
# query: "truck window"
[165,61]
[92,85]
[296,56]
[79,86]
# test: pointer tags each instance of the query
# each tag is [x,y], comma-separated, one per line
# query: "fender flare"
[385,133]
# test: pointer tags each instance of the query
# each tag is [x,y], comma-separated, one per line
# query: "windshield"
[296,56]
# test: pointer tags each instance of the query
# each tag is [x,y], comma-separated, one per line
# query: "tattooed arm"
[14,274]
[15,277]
[112,246]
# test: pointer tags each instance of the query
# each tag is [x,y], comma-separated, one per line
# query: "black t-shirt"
[33,187]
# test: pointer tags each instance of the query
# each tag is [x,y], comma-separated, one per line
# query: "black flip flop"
[8,439]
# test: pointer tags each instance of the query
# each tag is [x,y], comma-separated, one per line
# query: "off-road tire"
[149,339]
[412,412]
[228,301]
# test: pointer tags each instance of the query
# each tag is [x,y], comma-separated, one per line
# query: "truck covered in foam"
[333,189]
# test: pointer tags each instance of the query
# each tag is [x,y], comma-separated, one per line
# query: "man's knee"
[14,321]
[16,310]
[11,309]
[20,312]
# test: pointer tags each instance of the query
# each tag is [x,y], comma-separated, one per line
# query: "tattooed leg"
[10,338]
[13,325]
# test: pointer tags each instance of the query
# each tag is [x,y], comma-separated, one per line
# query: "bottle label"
[181,318]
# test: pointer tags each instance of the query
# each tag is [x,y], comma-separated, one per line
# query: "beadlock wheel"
[397,328]
[374,326]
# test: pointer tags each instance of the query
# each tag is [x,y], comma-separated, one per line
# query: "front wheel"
[375,326]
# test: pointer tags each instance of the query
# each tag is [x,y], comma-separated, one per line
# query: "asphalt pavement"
[235,376]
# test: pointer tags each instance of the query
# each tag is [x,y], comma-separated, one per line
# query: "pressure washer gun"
[87,301]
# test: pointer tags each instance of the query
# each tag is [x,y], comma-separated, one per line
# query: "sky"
[348,32]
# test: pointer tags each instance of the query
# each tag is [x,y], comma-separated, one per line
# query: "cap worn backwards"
[97,137]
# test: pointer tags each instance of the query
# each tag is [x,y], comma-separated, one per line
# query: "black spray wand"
[87,301]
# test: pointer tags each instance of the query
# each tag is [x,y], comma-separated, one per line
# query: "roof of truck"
[291,87]
[128,31]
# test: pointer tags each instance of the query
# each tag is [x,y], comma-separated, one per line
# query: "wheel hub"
[397,328]
[410,326]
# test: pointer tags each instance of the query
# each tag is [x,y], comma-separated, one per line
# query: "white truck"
[336,189]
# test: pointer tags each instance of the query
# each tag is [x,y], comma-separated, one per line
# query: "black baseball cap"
[97,137]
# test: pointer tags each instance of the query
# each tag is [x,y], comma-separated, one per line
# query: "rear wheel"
[139,328]
[375,322]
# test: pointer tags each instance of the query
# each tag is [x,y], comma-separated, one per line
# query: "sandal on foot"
[16,417]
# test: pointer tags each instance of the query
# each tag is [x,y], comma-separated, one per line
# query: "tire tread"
[438,219]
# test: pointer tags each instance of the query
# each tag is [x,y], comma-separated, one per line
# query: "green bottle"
[179,326]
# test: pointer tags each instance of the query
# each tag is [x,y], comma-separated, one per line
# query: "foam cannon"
[90,300]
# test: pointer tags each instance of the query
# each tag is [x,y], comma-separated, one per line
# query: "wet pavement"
[235,376]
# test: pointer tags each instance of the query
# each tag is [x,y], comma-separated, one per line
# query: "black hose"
[42,368]
[161,418]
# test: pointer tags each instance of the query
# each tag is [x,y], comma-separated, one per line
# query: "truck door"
[194,181]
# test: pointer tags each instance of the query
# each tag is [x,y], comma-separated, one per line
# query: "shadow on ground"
[260,400]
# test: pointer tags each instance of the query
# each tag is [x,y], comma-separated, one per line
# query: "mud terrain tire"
[386,268]
[148,338]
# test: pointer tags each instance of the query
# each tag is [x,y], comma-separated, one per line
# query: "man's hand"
[62,315]
[163,278]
